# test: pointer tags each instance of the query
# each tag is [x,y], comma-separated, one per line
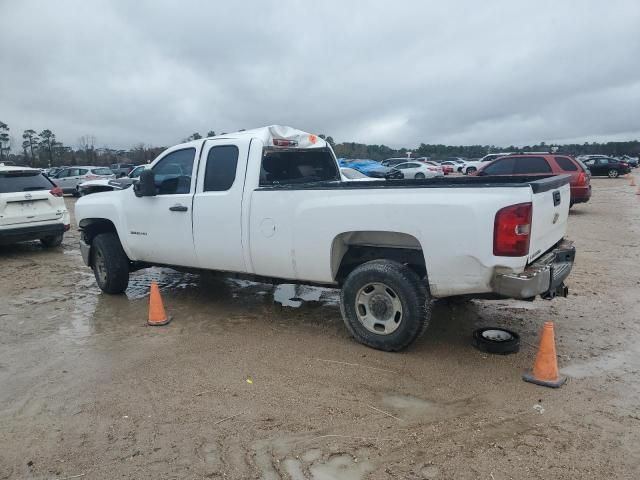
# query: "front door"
[217,204]
[159,228]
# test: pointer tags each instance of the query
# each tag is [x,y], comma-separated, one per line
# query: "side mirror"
[146,186]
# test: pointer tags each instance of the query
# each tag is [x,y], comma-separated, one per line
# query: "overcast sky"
[395,72]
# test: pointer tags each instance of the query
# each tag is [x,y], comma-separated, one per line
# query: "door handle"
[556,198]
[178,208]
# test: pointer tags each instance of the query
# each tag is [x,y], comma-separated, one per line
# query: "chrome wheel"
[613,173]
[379,308]
[496,335]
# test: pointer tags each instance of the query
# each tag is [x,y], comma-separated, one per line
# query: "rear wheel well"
[356,255]
[93,226]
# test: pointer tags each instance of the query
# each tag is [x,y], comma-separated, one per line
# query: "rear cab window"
[23,181]
[297,166]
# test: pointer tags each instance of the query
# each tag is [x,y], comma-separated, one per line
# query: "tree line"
[43,150]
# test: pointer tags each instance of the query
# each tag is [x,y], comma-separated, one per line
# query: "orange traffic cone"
[157,315]
[545,368]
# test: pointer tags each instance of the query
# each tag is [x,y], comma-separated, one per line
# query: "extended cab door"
[159,228]
[217,205]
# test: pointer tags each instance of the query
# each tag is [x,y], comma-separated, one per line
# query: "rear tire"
[52,241]
[419,176]
[613,173]
[385,305]
[110,264]
[470,170]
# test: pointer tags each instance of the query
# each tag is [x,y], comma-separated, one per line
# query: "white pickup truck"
[270,204]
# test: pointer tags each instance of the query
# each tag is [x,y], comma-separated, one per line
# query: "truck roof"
[272,133]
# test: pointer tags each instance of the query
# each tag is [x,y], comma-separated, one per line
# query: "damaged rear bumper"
[543,277]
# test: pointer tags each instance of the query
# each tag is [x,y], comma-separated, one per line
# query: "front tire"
[52,241]
[613,173]
[470,170]
[385,305]
[110,264]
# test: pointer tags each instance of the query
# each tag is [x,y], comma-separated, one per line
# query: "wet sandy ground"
[239,386]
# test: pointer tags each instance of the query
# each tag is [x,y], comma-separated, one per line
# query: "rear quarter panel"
[291,232]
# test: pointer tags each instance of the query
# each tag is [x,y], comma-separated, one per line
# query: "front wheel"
[385,305]
[419,176]
[470,170]
[613,173]
[110,264]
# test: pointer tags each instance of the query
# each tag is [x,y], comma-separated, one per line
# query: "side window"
[532,165]
[173,172]
[566,164]
[222,162]
[63,173]
[135,173]
[73,172]
[500,167]
[82,171]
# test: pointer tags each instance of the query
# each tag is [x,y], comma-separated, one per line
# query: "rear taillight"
[91,177]
[512,231]
[56,192]
[432,169]
[582,179]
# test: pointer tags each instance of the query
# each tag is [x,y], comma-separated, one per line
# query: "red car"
[544,164]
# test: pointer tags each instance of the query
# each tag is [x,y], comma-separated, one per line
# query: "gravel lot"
[239,386]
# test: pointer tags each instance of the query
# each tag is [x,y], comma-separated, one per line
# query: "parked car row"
[542,165]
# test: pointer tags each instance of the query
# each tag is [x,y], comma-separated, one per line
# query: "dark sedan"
[607,167]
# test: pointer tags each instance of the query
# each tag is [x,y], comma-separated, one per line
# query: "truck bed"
[537,183]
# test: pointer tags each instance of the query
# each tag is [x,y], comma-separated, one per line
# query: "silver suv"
[69,178]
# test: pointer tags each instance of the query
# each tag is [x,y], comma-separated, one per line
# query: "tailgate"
[550,199]
[28,207]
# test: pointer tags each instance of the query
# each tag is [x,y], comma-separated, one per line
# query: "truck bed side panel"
[292,232]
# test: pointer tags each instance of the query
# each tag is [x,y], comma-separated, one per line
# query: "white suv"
[31,207]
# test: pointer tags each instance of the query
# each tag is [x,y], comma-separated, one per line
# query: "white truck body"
[305,231]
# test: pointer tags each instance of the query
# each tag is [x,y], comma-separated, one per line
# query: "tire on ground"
[109,262]
[52,240]
[411,291]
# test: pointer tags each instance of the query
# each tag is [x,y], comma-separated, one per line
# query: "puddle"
[168,279]
[341,467]
[290,295]
[408,407]
[604,363]
[278,458]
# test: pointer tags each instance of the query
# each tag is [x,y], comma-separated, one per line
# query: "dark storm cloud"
[398,72]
